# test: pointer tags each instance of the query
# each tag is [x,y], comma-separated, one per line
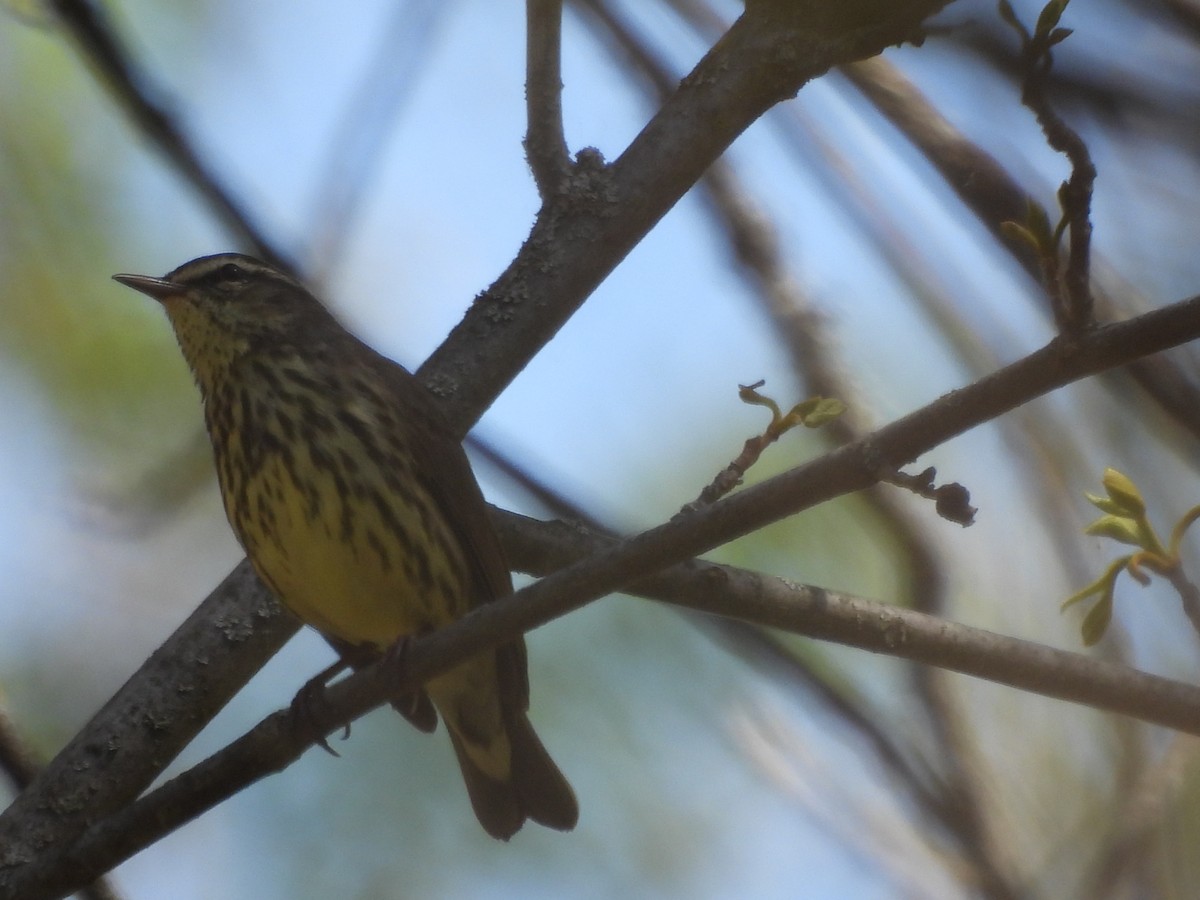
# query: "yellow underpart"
[338,583]
[343,588]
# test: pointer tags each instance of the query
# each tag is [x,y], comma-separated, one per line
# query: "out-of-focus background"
[379,144]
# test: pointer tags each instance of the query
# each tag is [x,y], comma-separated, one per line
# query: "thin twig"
[545,144]
[995,197]
[1071,289]
[554,502]
[760,61]
[1189,595]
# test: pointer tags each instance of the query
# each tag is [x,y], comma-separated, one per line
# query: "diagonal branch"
[141,729]
[763,59]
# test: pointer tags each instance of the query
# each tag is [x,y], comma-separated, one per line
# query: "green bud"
[1117,528]
[1124,492]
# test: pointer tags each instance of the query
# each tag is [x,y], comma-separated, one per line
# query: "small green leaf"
[1103,584]
[1117,528]
[1058,35]
[1105,504]
[817,411]
[1094,588]
[1049,17]
[1096,622]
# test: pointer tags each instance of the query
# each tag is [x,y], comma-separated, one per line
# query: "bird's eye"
[231,272]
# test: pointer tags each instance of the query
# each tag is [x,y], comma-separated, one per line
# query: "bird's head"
[226,306]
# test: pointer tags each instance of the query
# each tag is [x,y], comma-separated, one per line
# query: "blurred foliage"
[105,359]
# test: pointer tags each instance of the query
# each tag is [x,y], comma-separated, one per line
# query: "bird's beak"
[158,288]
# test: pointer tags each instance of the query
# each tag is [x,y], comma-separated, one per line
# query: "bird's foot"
[309,704]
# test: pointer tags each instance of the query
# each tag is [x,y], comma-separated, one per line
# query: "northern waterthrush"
[358,509]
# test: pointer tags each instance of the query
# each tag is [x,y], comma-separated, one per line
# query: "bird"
[358,509]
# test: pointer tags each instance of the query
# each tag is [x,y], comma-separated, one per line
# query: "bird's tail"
[534,789]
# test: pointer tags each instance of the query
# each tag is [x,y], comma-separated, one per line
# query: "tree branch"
[162,706]
[994,196]
[545,144]
[764,58]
